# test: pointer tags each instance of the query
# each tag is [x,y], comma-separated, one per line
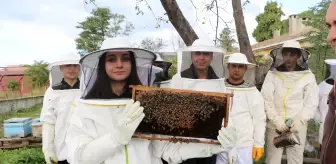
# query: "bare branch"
[156,19]
[217,22]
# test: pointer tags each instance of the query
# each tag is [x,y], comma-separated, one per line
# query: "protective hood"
[55,74]
[184,57]
[143,59]
[331,68]
[277,56]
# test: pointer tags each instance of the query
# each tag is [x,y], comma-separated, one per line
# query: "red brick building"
[15,73]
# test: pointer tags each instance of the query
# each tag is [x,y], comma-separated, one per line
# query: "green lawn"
[33,112]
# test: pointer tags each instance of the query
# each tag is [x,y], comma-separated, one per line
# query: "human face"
[331,23]
[290,59]
[70,71]
[118,65]
[237,71]
[201,60]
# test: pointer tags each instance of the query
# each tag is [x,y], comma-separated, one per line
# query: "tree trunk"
[179,22]
[243,39]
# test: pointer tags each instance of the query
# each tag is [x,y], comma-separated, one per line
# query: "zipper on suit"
[126,154]
[284,102]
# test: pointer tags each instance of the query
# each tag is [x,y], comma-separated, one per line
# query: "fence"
[13,105]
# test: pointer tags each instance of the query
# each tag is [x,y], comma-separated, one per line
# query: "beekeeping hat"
[144,59]
[331,69]
[184,56]
[277,54]
[239,58]
[55,73]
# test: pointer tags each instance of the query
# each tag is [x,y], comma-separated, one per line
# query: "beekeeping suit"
[248,117]
[186,77]
[56,106]
[289,95]
[100,131]
[324,90]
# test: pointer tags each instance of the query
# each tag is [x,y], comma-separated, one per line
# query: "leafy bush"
[22,156]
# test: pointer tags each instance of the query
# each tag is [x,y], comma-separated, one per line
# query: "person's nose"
[332,36]
[119,63]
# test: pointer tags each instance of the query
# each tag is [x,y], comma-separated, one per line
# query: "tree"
[320,49]
[154,45]
[100,25]
[226,40]
[13,85]
[38,73]
[179,22]
[268,22]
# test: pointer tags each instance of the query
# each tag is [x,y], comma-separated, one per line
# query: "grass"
[22,156]
[33,112]
[13,95]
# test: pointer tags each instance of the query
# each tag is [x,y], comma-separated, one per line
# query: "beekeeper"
[248,114]
[290,92]
[105,118]
[324,90]
[200,67]
[64,88]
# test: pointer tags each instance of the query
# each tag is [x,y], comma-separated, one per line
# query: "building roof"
[12,73]
[279,39]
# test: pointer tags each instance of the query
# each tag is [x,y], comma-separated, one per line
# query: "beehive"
[181,113]
[17,127]
[37,127]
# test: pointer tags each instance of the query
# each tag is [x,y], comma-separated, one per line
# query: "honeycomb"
[180,112]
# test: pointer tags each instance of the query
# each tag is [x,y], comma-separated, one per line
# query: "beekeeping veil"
[277,55]
[55,74]
[330,69]
[186,77]
[238,58]
[143,58]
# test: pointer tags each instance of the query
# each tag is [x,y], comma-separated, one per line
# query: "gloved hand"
[48,135]
[227,137]
[296,124]
[257,153]
[50,157]
[129,120]
[281,125]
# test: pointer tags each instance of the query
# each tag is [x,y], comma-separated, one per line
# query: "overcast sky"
[43,29]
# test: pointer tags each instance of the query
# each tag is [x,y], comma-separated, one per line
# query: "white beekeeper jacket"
[324,90]
[286,100]
[56,107]
[93,124]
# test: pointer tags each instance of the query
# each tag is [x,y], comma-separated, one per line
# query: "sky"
[43,30]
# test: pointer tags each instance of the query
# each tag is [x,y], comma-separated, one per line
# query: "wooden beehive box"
[181,115]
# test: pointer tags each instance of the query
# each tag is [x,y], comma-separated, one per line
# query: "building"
[297,31]
[14,73]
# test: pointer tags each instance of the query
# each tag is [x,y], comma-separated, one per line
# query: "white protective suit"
[248,117]
[324,90]
[56,109]
[100,130]
[287,95]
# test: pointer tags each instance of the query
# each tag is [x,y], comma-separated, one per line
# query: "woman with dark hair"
[104,120]
[118,82]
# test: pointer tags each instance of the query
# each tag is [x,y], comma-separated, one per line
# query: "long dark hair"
[102,89]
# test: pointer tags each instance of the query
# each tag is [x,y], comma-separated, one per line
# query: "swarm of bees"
[181,113]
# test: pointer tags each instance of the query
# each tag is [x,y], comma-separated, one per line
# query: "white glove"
[227,137]
[128,122]
[281,125]
[297,124]
[48,136]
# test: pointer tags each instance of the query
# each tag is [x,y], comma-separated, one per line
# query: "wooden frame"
[228,97]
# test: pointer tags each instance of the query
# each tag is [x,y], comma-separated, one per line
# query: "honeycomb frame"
[176,138]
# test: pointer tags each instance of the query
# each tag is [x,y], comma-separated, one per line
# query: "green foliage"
[154,45]
[320,49]
[38,73]
[173,68]
[226,40]
[100,25]
[268,21]
[22,156]
[13,85]
[285,26]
